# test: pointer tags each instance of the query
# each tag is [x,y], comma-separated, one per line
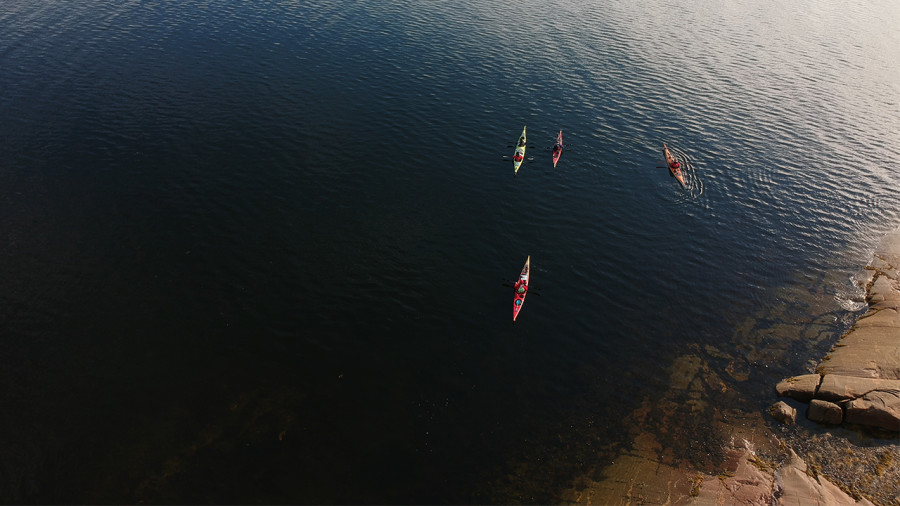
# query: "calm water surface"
[255,251]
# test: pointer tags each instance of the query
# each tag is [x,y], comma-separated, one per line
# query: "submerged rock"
[744,478]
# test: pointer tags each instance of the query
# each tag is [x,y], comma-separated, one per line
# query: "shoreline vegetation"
[848,452]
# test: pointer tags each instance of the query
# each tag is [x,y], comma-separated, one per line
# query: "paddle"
[663,166]
[509,284]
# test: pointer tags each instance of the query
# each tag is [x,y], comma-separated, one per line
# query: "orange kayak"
[674,166]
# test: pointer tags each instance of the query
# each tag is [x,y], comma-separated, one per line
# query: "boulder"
[825,412]
[837,388]
[801,388]
[783,412]
[880,408]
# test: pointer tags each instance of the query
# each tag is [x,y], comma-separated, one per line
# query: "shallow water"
[256,252]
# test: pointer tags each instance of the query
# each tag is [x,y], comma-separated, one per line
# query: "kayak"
[557,149]
[674,166]
[519,155]
[520,297]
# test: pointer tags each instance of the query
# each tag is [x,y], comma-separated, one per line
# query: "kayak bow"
[523,280]
[519,155]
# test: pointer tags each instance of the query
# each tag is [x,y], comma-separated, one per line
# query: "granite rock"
[880,408]
[794,484]
[836,388]
[825,412]
[866,351]
[859,380]
[783,412]
[802,388]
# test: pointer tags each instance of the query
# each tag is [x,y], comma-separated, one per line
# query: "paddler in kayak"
[521,287]
[518,157]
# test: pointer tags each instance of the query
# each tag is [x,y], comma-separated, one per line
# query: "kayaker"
[517,157]
[521,287]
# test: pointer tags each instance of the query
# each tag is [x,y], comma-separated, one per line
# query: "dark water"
[254,251]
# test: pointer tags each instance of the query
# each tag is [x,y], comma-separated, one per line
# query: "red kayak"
[521,287]
[674,166]
[557,149]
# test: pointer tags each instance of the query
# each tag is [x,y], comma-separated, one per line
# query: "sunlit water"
[256,251]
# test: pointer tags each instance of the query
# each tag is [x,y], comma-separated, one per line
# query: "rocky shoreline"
[856,387]
[858,382]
